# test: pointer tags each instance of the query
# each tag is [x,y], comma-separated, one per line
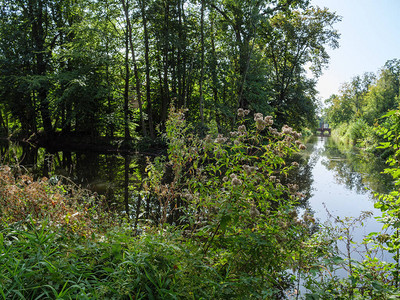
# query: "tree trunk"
[165,98]
[126,186]
[135,68]
[147,62]
[39,35]
[202,63]
[214,65]
[127,135]
[179,57]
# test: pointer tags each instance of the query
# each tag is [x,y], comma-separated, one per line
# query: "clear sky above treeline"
[370,35]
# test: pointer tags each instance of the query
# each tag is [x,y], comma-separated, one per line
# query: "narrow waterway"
[342,187]
[338,188]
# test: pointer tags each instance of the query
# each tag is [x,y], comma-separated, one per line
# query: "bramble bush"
[65,207]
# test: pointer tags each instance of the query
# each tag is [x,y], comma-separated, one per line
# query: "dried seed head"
[260,124]
[254,211]
[258,116]
[188,196]
[296,134]
[220,139]
[293,187]
[293,214]
[268,120]
[236,182]
[274,131]
[247,169]
[240,112]
[286,129]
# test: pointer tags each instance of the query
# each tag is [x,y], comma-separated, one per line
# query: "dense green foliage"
[215,232]
[101,67]
[215,218]
[221,225]
[357,109]
[225,191]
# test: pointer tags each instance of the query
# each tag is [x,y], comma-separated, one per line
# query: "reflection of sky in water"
[343,195]
[339,199]
[330,193]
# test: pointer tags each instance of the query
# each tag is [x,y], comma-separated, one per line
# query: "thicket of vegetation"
[216,233]
[229,229]
[215,217]
[113,67]
[357,109]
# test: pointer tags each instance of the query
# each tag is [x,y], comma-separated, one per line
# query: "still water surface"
[343,183]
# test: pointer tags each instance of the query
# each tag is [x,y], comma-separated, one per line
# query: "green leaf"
[389,113]
[337,260]
[108,269]
[313,296]
[224,222]
[383,145]
[377,285]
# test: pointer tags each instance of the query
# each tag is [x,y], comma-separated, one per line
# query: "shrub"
[66,207]
[358,130]
[226,193]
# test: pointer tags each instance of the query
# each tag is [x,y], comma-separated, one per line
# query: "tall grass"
[57,243]
[38,263]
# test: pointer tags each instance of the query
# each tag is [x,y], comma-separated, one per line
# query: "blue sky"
[370,35]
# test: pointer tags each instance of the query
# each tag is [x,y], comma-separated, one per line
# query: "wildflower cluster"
[220,139]
[242,112]
[292,136]
[235,180]
[249,170]
[226,191]
[262,122]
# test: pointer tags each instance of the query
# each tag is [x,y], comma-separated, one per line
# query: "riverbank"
[222,223]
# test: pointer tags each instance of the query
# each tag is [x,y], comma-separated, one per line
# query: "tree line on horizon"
[114,67]
[361,103]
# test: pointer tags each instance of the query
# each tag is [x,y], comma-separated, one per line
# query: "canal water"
[343,184]
[337,181]
[343,180]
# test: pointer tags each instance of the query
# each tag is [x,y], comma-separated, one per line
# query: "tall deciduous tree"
[294,40]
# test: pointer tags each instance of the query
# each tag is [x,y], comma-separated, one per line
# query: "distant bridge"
[323,130]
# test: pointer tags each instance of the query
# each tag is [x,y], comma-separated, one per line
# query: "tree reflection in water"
[119,178]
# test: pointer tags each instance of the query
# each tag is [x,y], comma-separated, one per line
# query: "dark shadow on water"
[119,177]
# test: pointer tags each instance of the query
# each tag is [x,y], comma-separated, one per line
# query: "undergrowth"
[225,227]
